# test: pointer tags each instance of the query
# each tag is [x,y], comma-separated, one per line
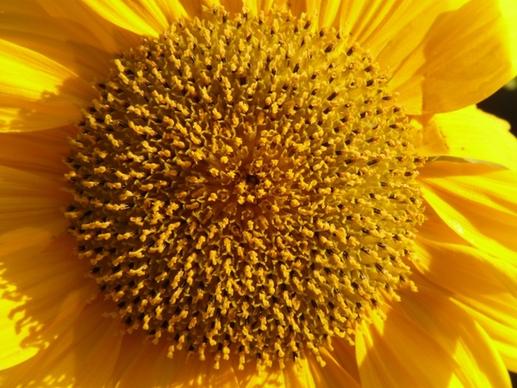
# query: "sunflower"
[256,193]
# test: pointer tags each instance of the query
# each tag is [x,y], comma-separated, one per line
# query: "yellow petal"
[37,151]
[464,227]
[66,32]
[144,364]
[394,32]
[31,231]
[83,354]
[141,364]
[143,17]
[444,55]
[340,368]
[301,375]
[37,92]
[195,7]
[325,11]
[252,6]
[43,289]
[483,280]
[472,134]
[459,334]
[497,315]
[46,296]
[427,341]
[484,288]
[29,74]
[481,209]
[267,5]
[454,264]
[13,351]
[447,166]
[40,25]
[389,354]
[379,24]
[31,200]
[467,55]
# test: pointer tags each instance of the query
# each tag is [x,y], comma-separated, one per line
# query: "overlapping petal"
[37,92]
[444,55]
[340,368]
[37,300]
[147,18]
[13,350]
[471,134]
[468,246]
[428,341]
[480,208]
[67,32]
[48,150]
[77,357]
[483,288]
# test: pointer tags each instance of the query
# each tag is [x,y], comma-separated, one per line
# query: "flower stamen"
[245,187]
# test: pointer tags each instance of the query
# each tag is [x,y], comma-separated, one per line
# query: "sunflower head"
[245,186]
[298,194]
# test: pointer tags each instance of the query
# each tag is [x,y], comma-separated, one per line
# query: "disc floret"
[245,187]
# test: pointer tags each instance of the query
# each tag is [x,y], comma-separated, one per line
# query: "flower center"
[245,187]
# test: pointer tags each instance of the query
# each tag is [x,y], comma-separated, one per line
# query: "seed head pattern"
[245,187]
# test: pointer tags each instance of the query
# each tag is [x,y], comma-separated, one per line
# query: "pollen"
[244,188]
